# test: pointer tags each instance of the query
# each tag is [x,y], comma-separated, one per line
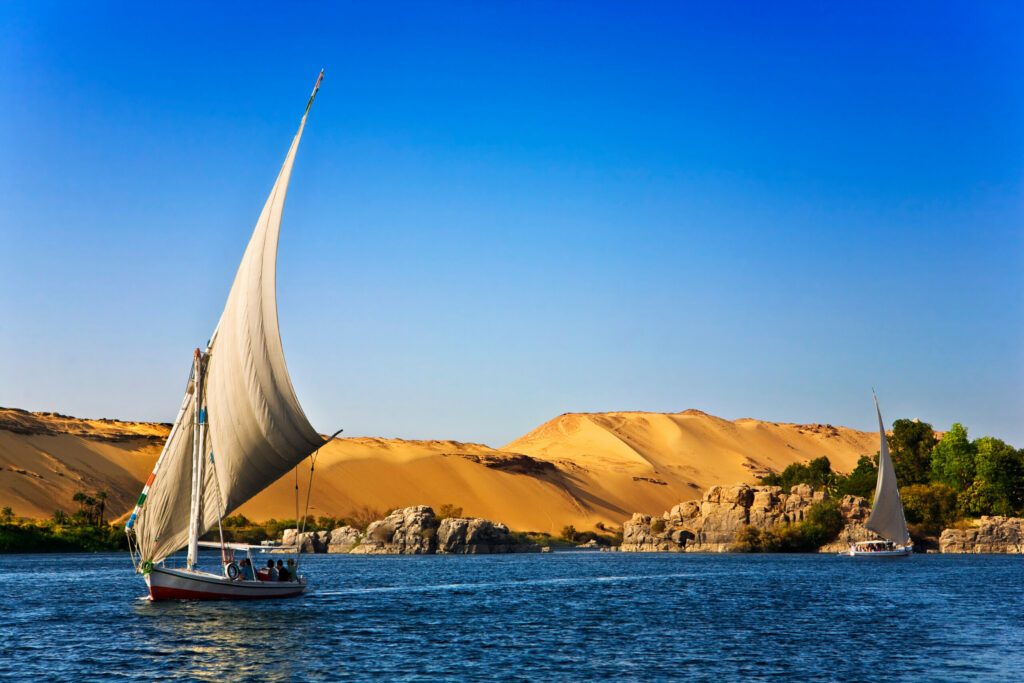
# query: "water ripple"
[530,617]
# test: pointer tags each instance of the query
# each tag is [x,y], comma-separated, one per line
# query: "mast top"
[316,88]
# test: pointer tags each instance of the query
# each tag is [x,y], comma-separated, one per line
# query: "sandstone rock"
[637,536]
[714,523]
[470,535]
[417,531]
[308,542]
[989,535]
[802,490]
[410,531]
[684,511]
[343,539]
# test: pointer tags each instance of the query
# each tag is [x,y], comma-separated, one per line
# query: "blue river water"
[560,616]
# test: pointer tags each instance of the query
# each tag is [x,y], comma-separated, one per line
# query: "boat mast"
[198,447]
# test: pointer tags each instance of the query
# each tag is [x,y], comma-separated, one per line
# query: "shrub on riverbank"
[821,525]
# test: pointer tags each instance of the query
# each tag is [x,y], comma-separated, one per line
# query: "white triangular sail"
[887,519]
[256,430]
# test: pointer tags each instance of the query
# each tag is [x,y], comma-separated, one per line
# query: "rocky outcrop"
[410,531]
[713,524]
[988,535]
[472,536]
[856,512]
[343,539]
[340,540]
[308,541]
[414,531]
[515,463]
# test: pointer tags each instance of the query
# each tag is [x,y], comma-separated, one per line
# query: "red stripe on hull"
[176,584]
[166,593]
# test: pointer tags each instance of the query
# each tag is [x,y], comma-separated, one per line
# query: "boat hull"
[897,552]
[183,584]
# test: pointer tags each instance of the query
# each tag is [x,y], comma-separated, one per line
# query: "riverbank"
[20,537]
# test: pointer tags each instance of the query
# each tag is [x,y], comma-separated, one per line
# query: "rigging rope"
[309,492]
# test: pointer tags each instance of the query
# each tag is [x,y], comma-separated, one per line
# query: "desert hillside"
[577,469]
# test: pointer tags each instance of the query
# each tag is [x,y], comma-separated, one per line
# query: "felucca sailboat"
[240,428]
[887,518]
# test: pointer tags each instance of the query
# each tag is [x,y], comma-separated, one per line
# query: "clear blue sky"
[506,211]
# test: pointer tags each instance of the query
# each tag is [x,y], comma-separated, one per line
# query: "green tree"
[861,481]
[569,533]
[1000,470]
[6,515]
[953,459]
[821,525]
[327,522]
[981,499]
[449,510]
[236,521]
[826,519]
[817,473]
[911,446]
[931,506]
[101,507]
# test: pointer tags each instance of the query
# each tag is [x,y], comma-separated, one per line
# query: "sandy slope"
[576,469]
[45,458]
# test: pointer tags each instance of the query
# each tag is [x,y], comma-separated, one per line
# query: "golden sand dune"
[577,469]
[46,457]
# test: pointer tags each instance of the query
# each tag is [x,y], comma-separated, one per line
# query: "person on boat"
[293,570]
[270,574]
[247,572]
[282,573]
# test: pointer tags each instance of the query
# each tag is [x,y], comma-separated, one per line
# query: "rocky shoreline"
[714,523]
[1003,535]
[414,531]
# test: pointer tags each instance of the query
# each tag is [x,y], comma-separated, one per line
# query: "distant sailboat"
[887,518]
[240,428]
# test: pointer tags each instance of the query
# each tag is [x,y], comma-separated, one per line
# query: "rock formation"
[343,539]
[413,531]
[713,523]
[472,536]
[410,531]
[988,535]
[340,540]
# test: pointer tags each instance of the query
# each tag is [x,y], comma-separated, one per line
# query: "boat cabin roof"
[246,546]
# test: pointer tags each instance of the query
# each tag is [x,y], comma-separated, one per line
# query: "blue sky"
[506,211]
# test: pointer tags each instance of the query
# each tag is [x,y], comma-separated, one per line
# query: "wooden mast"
[198,461]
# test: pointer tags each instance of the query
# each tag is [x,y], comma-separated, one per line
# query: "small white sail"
[256,429]
[887,518]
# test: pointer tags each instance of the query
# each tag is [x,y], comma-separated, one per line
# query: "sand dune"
[577,469]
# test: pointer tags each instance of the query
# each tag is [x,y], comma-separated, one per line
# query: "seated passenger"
[271,573]
[282,573]
[247,573]
[293,570]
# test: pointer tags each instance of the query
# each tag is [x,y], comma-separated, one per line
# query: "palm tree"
[101,498]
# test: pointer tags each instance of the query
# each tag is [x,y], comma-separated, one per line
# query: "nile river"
[561,616]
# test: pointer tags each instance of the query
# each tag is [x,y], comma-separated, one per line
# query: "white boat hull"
[185,584]
[904,551]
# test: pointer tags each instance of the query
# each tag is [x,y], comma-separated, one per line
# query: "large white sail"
[887,518]
[256,430]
